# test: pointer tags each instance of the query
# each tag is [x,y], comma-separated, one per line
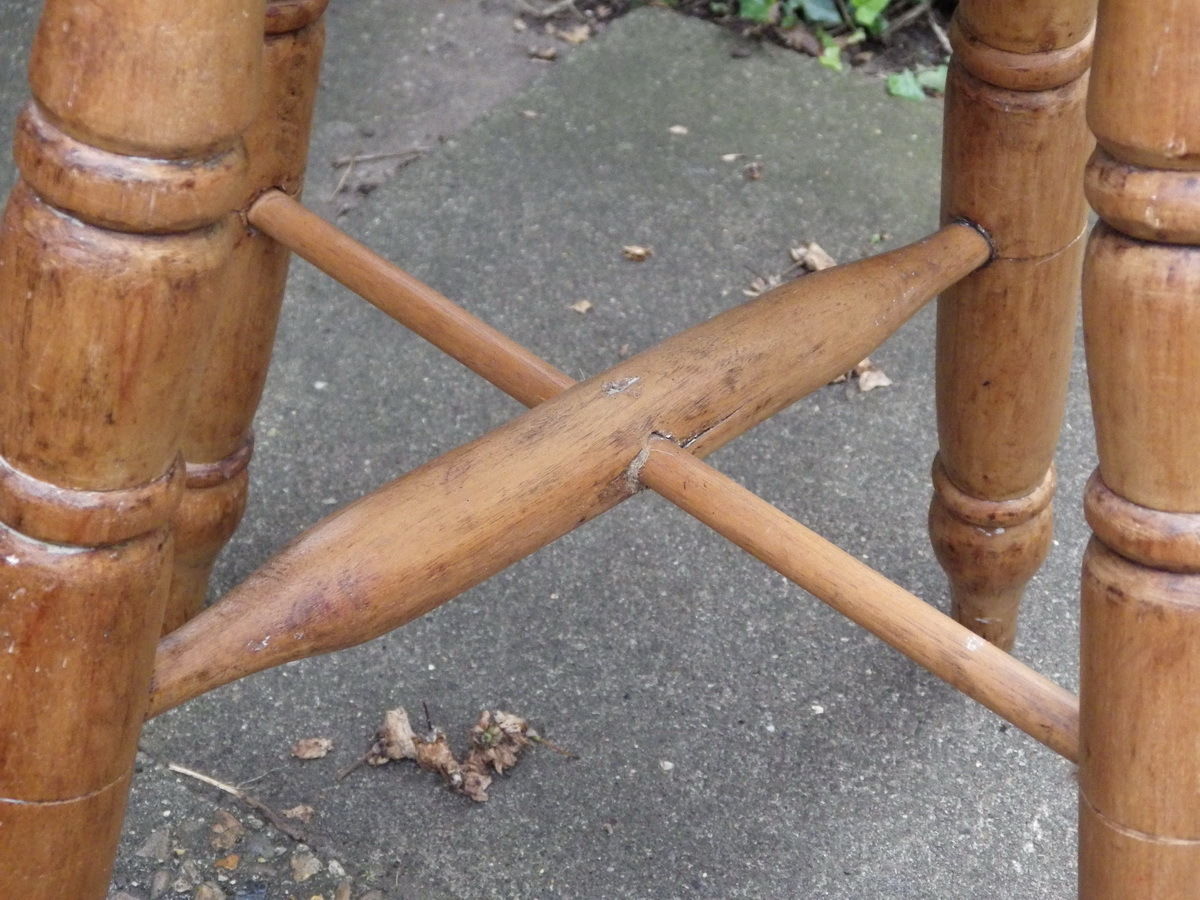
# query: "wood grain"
[1014,148]
[1139,773]
[459,519]
[113,247]
[217,440]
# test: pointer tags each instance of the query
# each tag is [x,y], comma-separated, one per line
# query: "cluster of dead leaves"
[571,34]
[497,740]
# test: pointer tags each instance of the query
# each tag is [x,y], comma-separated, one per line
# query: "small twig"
[938,31]
[414,152]
[905,19]
[428,720]
[278,820]
[538,739]
[354,765]
[259,777]
[342,181]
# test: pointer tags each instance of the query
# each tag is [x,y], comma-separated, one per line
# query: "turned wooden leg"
[111,251]
[1139,775]
[1014,149]
[217,442]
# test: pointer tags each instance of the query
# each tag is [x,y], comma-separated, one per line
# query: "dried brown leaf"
[870,376]
[545,54]
[497,740]
[394,739]
[475,783]
[637,252]
[304,866]
[302,812]
[760,285]
[574,35]
[798,37]
[226,831]
[583,307]
[813,257]
[312,748]
[752,171]
[435,755]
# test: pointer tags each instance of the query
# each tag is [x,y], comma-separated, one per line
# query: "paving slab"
[736,738]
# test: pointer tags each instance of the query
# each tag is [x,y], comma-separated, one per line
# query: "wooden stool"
[142,263]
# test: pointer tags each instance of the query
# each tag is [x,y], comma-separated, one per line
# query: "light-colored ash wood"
[459,519]
[1033,703]
[110,275]
[217,442]
[1139,774]
[1014,148]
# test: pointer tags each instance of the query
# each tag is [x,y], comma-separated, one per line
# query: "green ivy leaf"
[867,11]
[821,12]
[756,10]
[904,84]
[831,58]
[933,79]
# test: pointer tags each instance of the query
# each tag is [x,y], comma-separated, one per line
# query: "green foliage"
[868,12]
[819,12]
[838,24]
[912,84]
[825,13]
[904,84]
[756,10]
[831,53]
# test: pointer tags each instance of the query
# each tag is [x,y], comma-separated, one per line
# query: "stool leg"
[112,248]
[1014,149]
[1139,775]
[217,441]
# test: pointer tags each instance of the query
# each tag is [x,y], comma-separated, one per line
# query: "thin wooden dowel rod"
[424,538]
[1039,707]
[477,345]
